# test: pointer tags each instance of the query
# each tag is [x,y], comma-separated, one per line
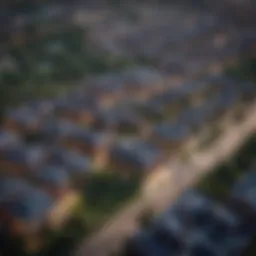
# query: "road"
[183,175]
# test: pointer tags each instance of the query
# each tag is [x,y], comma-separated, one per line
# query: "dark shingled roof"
[172,131]
[194,225]
[139,153]
[31,206]
[53,175]
[13,187]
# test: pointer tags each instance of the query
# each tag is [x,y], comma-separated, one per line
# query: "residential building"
[44,107]
[197,117]
[21,159]
[50,131]
[133,157]
[194,225]
[88,143]
[47,133]
[27,212]
[150,111]
[201,91]
[24,120]
[142,83]
[80,112]
[9,139]
[106,90]
[172,100]
[121,119]
[169,136]
[54,179]
[73,162]
[12,187]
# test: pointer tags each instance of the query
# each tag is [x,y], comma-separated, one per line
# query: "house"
[106,90]
[194,225]
[13,160]
[174,70]
[36,156]
[133,157]
[122,120]
[21,159]
[54,179]
[169,136]
[73,162]
[23,120]
[197,117]
[27,212]
[171,98]
[80,112]
[47,133]
[200,91]
[50,131]
[9,139]
[44,107]
[141,83]
[88,143]
[150,111]
[11,187]
[227,101]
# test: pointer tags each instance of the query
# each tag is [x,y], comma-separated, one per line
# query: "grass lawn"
[104,194]
[224,176]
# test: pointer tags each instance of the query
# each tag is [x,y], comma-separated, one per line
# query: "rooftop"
[24,115]
[29,155]
[12,187]
[136,152]
[72,161]
[32,206]
[194,224]
[9,139]
[172,131]
[53,175]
